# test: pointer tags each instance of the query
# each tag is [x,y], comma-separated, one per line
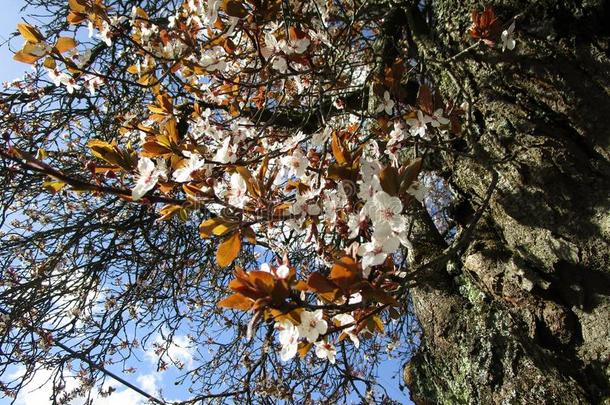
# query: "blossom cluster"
[225,141]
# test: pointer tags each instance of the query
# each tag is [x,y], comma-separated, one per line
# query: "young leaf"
[249,235]
[425,100]
[76,18]
[345,272]
[78,6]
[304,347]
[234,8]
[23,57]
[485,26]
[389,180]
[64,44]
[30,33]
[168,211]
[215,226]
[410,173]
[339,151]
[237,301]
[321,286]
[228,250]
[53,186]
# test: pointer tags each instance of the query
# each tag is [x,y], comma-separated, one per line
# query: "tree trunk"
[523,315]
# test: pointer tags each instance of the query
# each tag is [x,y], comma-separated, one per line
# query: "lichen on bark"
[525,317]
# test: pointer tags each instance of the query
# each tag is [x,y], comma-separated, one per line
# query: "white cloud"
[38,390]
[180,350]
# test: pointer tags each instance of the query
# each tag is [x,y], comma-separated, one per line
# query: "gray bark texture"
[522,314]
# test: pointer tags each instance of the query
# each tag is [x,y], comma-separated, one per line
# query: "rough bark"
[523,314]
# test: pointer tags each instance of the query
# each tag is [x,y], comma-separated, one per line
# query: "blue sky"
[146,376]
[38,391]
[9,16]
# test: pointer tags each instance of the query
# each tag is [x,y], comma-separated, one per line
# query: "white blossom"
[302,206]
[507,37]
[93,82]
[438,119]
[387,104]
[419,125]
[226,153]
[288,337]
[296,163]
[212,60]
[148,175]
[347,319]
[327,351]
[184,173]
[105,34]
[238,191]
[312,325]
[387,209]
[374,253]
[357,222]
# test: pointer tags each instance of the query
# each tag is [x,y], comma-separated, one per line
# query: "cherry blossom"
[281,272]
[355,298]
[369,188]
[383,242]
[105,34]
[312,325]
[347,319]
[272,49]
[438,119]
[70,84]
[303,206]
[356,223]
[238,191]
[226,153]
[507,37]
[326,350]
[319,138]
[333,201]
[148,175]
[93,82]
[272,45]
[296,163]
[212,60]
[280,64]
[60,78]
[418,191]
[397,134]
[387,209]
[387,104]
[185,172]
[212,11]
[297,46]
[419,125]
[288,337]
[55,76]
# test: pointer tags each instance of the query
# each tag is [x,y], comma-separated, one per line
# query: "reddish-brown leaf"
[29,33]
[485,26]
[304,347]
[345,272]
[64,44]
[237,301]
[228,250]
[389,180]
[339,150]
[409,174]
[322,286]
